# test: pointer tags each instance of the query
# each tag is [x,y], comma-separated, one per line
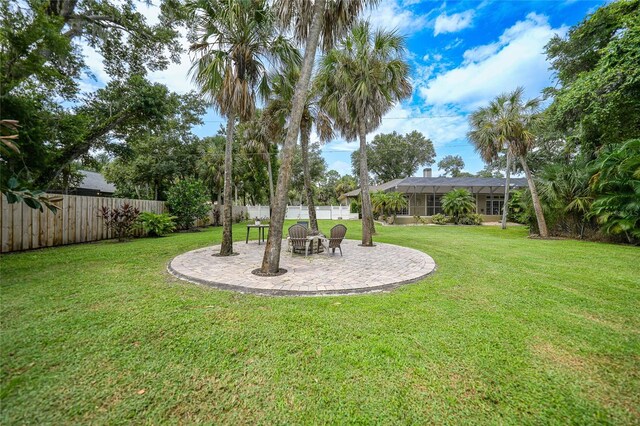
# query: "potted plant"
[256,220]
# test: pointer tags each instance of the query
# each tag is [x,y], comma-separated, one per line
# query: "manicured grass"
[508,330]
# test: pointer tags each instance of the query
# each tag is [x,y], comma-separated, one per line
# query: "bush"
[355,207]
[240,217]
[418,219]
[458,203]
[157,225]
[471,219]
[439,219]
[187,201]
[521,208]
[122,220]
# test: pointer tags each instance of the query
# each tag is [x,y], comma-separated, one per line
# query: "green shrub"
[157,225]
[418,219]
[471,219]
[355,207]
[439,219]
[521,208]
[187,201]
[458,203]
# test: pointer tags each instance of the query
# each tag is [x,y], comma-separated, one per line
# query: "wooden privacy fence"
[76,221]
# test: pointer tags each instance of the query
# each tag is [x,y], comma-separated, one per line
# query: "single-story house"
[424,194]
[93,184]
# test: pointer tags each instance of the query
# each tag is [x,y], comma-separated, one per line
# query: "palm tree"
[359,82]
[396,201]
[505,124]
[309,21]
[233,40]
[256,140]
[279,110]
[457,203]
[379,201]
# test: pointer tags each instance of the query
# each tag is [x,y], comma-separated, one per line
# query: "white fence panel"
[259,212]
[302,212]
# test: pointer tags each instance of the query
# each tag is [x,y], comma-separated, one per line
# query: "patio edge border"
[284,293]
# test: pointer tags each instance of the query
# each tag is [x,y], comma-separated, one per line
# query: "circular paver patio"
[359,270]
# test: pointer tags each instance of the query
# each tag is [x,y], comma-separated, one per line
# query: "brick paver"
[361,269]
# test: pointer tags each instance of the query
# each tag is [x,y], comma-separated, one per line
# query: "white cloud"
[452,23]
[341,167]
[390,15]
[441,125]
[516,59]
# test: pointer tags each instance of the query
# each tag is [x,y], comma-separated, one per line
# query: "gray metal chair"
[298,239]
[336,236]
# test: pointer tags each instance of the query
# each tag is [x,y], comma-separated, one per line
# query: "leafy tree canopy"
[392,156]
[451,165]
[40,42]
[598,71]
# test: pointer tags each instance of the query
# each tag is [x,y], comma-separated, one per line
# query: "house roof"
[96,182]
[464,182]
[421,184]
[373,188]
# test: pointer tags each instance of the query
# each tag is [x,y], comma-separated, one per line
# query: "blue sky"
[462,54]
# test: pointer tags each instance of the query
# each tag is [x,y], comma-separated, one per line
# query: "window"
[434,205]
[494,205]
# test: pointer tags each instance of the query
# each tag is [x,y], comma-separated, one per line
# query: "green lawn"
[508,330]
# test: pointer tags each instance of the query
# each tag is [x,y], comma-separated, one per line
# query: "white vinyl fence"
[302,212]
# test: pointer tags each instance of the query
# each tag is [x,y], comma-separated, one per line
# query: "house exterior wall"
[421,204]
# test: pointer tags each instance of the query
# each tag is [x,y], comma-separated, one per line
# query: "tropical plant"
[309,21]
[396,201]
[232,40]
[439,219]
[458,203]
[616,184]
[187,201]
[519,210]
[379,201]
[566,197]
[359,81]
[122,220]
[157,224]
[506,124]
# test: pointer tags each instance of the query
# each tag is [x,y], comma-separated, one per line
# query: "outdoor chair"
[297,239]
[335,238]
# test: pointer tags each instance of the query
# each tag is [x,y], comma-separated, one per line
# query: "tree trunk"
[305,135]
[368,227]
[227,221]
[271,259]
[505,207]
[542,224]
[270,178]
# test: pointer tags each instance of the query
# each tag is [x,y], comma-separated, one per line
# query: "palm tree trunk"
[505,207]
[270,178]
[271,259]
[305,135]
[227,221]
[542,224]
[368,227]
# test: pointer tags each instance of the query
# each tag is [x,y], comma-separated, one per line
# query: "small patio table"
[261,229]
